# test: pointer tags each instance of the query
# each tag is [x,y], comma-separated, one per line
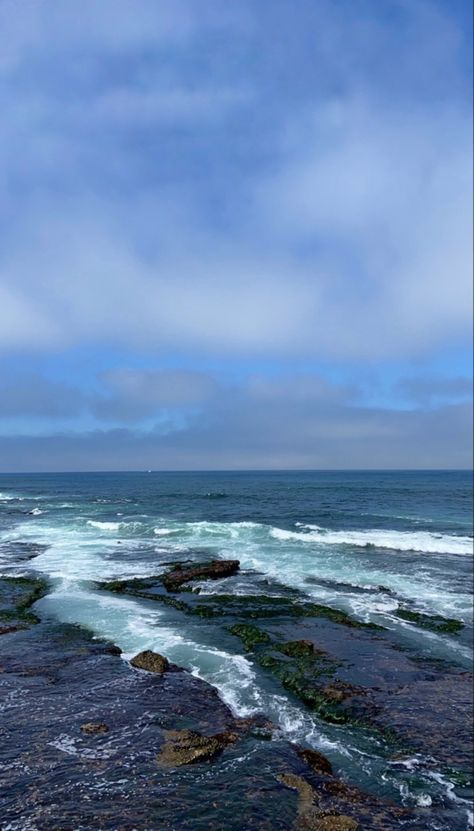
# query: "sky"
[235,235]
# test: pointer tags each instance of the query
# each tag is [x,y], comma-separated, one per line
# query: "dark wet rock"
[55,776]
[17,595]
[16,551]
[437,623]
[310,817]
[316,761]
[213,570]
[326,802]
[432,715]
[94,728]
[113,649]
[257,726]
[344,671]
[150,661]
[185,747]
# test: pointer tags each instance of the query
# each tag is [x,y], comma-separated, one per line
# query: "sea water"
[362,542]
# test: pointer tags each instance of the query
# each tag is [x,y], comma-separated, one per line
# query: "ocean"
[368,544]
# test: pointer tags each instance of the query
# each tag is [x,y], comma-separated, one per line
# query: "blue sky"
[235,235]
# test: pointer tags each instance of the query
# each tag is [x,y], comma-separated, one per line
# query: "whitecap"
[104,526]
[425,542]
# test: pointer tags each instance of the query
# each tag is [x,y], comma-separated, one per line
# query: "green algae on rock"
[437,623]
[224,605]
[17,595]
[249,635]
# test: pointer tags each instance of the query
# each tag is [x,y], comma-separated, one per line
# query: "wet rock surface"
[344,671]
[213,570]
[184,747]
[17,596]
[151,662]
[88,742]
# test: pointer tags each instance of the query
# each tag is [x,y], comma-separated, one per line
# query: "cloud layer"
[181,186]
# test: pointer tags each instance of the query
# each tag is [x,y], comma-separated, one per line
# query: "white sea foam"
[104,526]
[425,542]
[6,497]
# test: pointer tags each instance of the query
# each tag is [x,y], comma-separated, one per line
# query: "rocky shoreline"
[91,741]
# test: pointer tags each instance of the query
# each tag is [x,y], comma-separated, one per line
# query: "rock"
[150,661]
[310,817]
[306,793]
[257,726]
[337,822]
[250,635]
[5,630]
[94,728]
[299,649]
[184,747]
[316,761]
[213,570]
[113,650]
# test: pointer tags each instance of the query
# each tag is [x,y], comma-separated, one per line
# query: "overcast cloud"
[235,235]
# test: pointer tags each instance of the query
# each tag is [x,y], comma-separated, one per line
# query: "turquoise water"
[361,542]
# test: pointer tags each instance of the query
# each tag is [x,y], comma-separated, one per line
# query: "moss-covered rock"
[437,623]
[17,595]
[227,605]
[249,635]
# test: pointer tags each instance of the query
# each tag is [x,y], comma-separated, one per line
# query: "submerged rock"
[150,661]
[213,570]
[184,747]
[94,728]
[17,595]
[315,760]
[437,623]
[310,817]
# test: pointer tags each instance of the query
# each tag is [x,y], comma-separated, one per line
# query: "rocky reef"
[91,740]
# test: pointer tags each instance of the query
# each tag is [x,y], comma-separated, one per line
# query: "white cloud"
[350,240]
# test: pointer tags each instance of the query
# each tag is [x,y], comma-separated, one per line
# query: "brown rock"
[94,728]
[211,571]
[150,661]
[306,793]
[315,760]
[337,822]
[5,630]
[184,747]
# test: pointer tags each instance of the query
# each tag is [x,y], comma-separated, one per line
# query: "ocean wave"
[104,526]
[424,542]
